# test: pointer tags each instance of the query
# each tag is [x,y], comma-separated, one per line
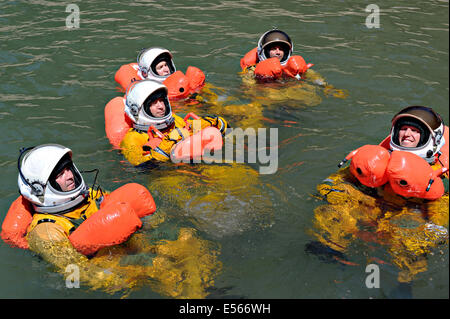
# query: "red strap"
[193,115]
[153,142]
[190,115]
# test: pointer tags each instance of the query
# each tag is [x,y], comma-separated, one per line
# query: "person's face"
[276,52]
[66,180]
[158,108]
[409,136]
[162,68]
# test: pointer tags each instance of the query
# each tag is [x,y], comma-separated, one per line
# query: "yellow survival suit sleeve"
[210,120]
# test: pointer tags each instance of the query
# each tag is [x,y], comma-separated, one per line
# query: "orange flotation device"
[249,59]
[411,176]
[407,174]
[14,227]
[109,226]
[136,195]
[271,68]
[195,146]
[117,218]
[117,124]
[368,164]
[127,74]
[179,85]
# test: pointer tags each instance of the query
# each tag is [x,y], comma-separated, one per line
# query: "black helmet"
[272,37]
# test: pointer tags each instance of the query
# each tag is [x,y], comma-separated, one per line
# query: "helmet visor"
[282,45]
[275,38]
[411,122]
[72,180]
[164,57]
[158,94]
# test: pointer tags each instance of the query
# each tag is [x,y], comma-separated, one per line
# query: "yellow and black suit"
[182,267]
[66,223]
[409,228]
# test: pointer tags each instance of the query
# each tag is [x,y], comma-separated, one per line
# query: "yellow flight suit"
[409,228]
[133,149]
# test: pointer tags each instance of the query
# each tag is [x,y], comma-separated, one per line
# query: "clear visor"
[426,149]
[158,95]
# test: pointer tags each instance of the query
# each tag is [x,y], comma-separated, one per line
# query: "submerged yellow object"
[180,267]
[220,199]
[408,228]
[299,93]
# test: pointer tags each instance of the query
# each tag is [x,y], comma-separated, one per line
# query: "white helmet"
[139,97]
[148,59]
[430,125]
[37,172]
[271,37]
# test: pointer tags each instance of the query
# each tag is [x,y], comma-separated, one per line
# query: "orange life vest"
[117,217]
[272,68]
[179,85]
[407,174]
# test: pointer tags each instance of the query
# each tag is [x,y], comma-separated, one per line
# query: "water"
[55,83]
